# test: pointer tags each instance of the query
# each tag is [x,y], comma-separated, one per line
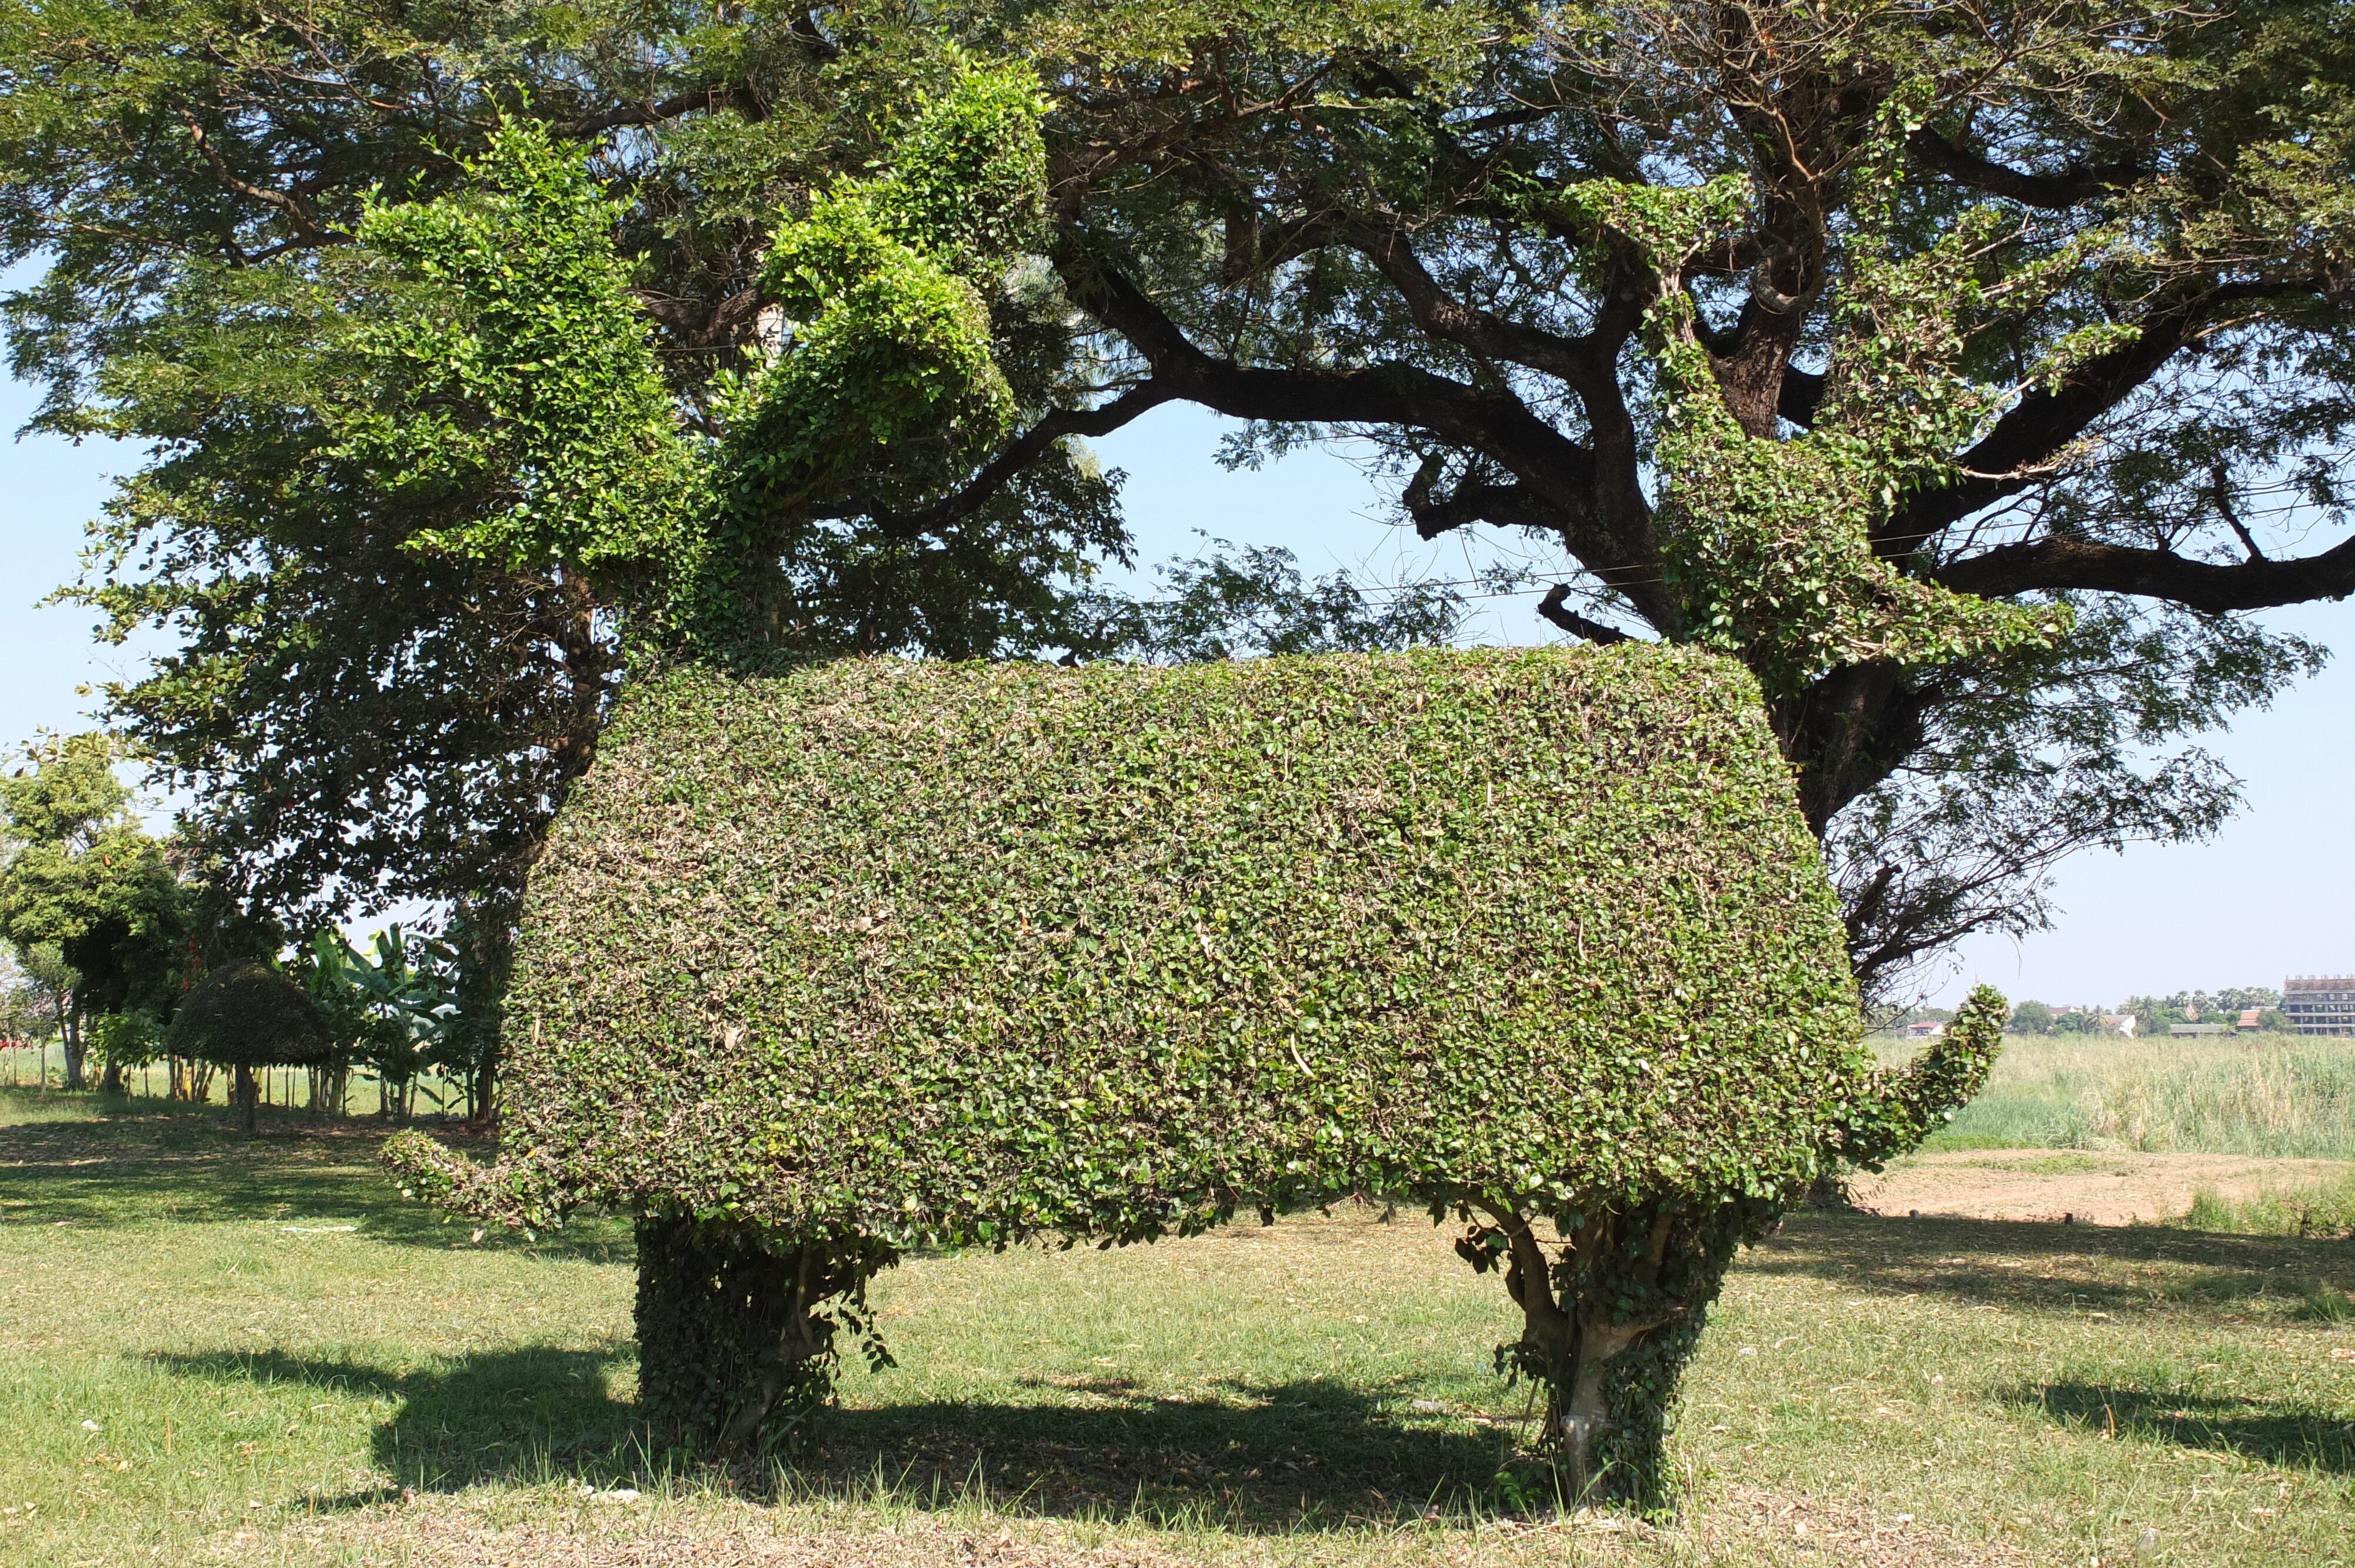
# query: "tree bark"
[245,1092]
[75,1053]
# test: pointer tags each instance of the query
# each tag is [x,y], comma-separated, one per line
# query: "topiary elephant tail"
[519,1195]
[1904,1106]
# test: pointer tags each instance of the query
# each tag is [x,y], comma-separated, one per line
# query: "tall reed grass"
[2327,1212]
[2279,1095]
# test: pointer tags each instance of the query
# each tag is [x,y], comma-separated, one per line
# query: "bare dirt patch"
[2101,1189]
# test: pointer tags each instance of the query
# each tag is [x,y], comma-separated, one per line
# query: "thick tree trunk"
[245,1093]
[109,1082]
[77,1053]
[1846,733]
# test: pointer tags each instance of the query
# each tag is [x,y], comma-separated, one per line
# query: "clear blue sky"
[2269,896]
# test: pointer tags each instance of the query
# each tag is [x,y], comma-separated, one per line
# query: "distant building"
[2249,1016]
[2199,1029]
[2119,1023]
[2319,1004]
[1927,1029]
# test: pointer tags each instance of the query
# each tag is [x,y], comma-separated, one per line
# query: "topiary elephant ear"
[249,1015]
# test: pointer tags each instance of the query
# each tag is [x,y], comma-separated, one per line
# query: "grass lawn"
[223,1352]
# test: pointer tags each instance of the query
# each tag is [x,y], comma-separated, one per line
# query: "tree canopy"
[404,547]
[1944,362]
[248,1015]
[1968,371]
[245,1015]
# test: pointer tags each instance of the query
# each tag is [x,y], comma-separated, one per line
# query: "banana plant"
[389,1004]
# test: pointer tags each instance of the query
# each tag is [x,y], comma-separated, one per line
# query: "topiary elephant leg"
[709,1303]
[736,1334]
[1609,1323]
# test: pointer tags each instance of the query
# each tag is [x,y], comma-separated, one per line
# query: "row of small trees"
[109,928]
[2152,1013]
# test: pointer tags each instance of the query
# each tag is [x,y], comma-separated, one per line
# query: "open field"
[258,1354]
[2242,1133]
[2274,1096]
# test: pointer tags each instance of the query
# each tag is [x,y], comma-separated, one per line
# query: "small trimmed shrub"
[248,1015]
[829,965]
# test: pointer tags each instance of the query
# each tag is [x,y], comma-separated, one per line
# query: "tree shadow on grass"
[188,1167]
[510,1415]
[2273,1432]
[2034,1265]
[1308,1453]
[1303,1454]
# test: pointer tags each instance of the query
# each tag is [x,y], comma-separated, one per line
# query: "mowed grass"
[2276,1095]
[257,1353]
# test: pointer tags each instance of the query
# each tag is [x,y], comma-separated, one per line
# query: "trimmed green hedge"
[249,1016]
[883,953]
[246,1015]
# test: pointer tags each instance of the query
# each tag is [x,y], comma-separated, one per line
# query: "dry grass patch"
[2266,1095]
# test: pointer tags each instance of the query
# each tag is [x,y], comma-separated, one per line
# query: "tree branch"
[2220,491]
[1553,470]
[309,228]
[1555,609]
[1445,317]
[1022,451]
[2070,187]
[1505,505]
[2083,564]
[1388,392]
[702,97]
[1536,1294]
[2044,421]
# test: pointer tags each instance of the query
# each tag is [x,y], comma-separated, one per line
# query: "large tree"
[1765,315]
[1969,370]
[399,570]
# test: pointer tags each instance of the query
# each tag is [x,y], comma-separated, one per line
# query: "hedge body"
[921,953]
[249,1016]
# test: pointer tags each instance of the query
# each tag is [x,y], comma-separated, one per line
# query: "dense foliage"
[881,953]
[418,477]
[249,1014]
[401,1004]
